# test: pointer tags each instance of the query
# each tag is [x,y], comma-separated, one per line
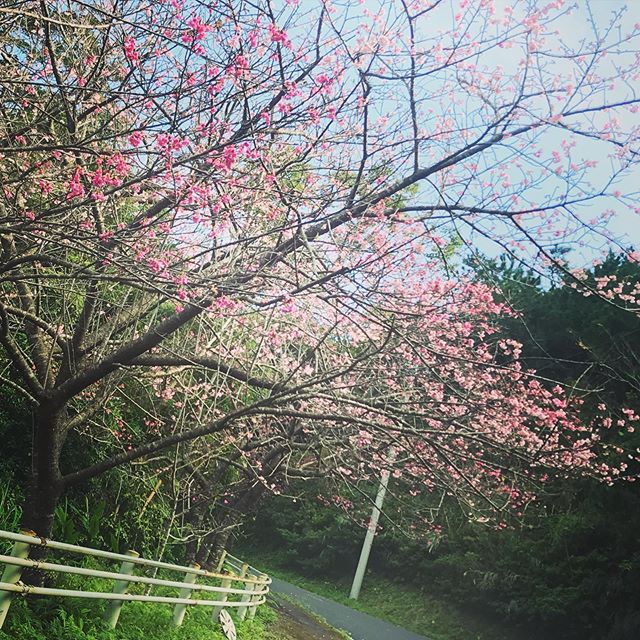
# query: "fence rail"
[249,593]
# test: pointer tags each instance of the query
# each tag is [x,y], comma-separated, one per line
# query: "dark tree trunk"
[39,510]
[217,546]
[203,548]
[213,546]
[193,519]
[247,499]
[45,483]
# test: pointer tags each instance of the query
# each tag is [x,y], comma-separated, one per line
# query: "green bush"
[314,539]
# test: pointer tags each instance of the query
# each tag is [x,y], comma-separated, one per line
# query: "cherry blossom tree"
[260,190]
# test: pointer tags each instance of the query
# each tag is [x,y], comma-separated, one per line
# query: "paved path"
[296,623]
[359,626]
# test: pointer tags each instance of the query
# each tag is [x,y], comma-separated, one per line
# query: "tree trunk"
[213,546]
[39,509]
[45,483]
[193,520]
[203,549]
[219,544]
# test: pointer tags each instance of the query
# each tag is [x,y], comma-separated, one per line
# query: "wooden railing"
[236,585]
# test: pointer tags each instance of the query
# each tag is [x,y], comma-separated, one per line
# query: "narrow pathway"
[360,626]
[296,623]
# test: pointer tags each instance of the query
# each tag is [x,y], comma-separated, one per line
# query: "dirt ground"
[295,623]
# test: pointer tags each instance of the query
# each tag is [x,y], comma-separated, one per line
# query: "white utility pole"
[371,532]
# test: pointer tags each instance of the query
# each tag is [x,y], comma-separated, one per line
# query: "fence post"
[180,609]
[242,611]
[225,584]
[112,612]
[258,586]
[12,573]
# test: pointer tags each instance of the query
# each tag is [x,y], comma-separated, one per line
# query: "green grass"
[51,618]
[139,621]
[403,605]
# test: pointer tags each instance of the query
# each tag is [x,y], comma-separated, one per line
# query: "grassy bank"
[404,605]
[54,618]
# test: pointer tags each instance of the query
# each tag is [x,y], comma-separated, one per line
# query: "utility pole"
[371,532]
